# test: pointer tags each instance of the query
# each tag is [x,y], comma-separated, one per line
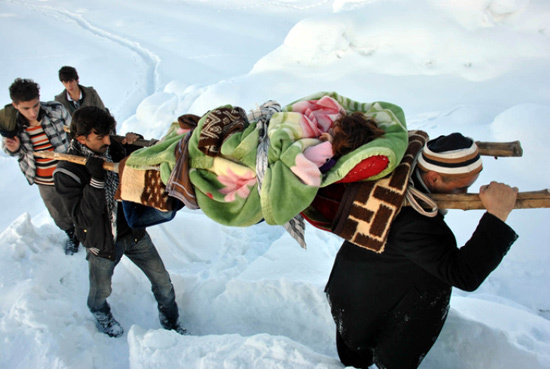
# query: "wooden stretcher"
[470,201]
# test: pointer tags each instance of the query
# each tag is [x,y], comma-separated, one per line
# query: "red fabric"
[325,226]
[322,210]
[366,168]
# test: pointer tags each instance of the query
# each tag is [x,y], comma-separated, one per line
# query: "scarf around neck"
[111,181]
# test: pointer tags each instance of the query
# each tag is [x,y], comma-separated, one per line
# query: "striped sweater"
[53,118]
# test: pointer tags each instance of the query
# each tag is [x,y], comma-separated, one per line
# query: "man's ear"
[81,139]
[432,179]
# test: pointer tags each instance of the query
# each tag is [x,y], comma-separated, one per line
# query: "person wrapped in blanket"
[237,167]
[228,187]
[348,132]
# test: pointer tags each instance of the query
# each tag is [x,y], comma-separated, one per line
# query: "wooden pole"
[139,142]
[113,167]
[496,149]
[509,149]
[471,201]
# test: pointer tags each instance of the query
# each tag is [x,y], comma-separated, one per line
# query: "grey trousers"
[55,207]
[143,254]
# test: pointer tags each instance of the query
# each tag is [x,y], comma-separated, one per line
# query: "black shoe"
[71,245]
[108,324]
[179,329]
[175,327]
[70,248]
[171,325]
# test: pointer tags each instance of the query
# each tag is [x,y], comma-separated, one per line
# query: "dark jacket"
[420,264]
[90,97]
[87,206]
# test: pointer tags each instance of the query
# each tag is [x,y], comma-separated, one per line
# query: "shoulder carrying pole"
[113,167]
[140,142]
[502,149]
[471,201]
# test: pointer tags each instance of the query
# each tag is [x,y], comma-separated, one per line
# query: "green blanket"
[226,184]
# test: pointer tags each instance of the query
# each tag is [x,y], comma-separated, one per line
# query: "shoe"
[71,245]
[108,324]
[176,328]
[179,329]
[171,326]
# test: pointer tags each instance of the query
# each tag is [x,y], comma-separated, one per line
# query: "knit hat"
[454,155]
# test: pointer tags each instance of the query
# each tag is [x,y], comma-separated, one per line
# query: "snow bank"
[251,297]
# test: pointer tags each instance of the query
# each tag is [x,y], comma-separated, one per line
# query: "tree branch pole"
[139,142]
[113,167]
[495,149]
[502,149]
[470,201]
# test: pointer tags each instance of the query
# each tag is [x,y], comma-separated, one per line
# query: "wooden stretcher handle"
[503,149]
[471,201]
[496,149]
[113,167]
[140,142]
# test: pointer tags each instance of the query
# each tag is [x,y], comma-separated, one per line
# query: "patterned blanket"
[226,185]
[222,154]
[367,209]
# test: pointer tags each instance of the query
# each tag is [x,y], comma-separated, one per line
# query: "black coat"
[420,264]
[88,208]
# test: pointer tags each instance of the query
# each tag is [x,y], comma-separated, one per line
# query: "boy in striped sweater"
[40,126]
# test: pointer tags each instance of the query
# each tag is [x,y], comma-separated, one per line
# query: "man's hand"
[325,136]
[499,199]
[12,144]
[94,165]
[130,138]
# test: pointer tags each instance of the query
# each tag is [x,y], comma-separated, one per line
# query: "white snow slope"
[251,297]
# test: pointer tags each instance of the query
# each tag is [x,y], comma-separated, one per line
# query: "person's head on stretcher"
[348,132]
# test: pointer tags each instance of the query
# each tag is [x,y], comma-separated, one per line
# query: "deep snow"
[251,297]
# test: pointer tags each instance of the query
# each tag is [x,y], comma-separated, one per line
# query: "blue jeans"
[144,255]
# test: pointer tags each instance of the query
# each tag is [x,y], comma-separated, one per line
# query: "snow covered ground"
[251,297]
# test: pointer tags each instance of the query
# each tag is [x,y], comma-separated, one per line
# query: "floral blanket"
[223,149]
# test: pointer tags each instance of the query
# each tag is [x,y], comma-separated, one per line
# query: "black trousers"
[401,340]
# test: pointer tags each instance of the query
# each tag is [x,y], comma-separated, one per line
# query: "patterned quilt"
[223,148]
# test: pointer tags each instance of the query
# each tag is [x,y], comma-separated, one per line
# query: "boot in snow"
[171,325]
[71,245]
[108,324]
[178,329]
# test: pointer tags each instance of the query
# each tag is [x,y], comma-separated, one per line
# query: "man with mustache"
[89,195]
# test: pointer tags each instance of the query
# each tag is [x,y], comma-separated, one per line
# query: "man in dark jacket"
[75,95]
[389,308]
[88,194]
